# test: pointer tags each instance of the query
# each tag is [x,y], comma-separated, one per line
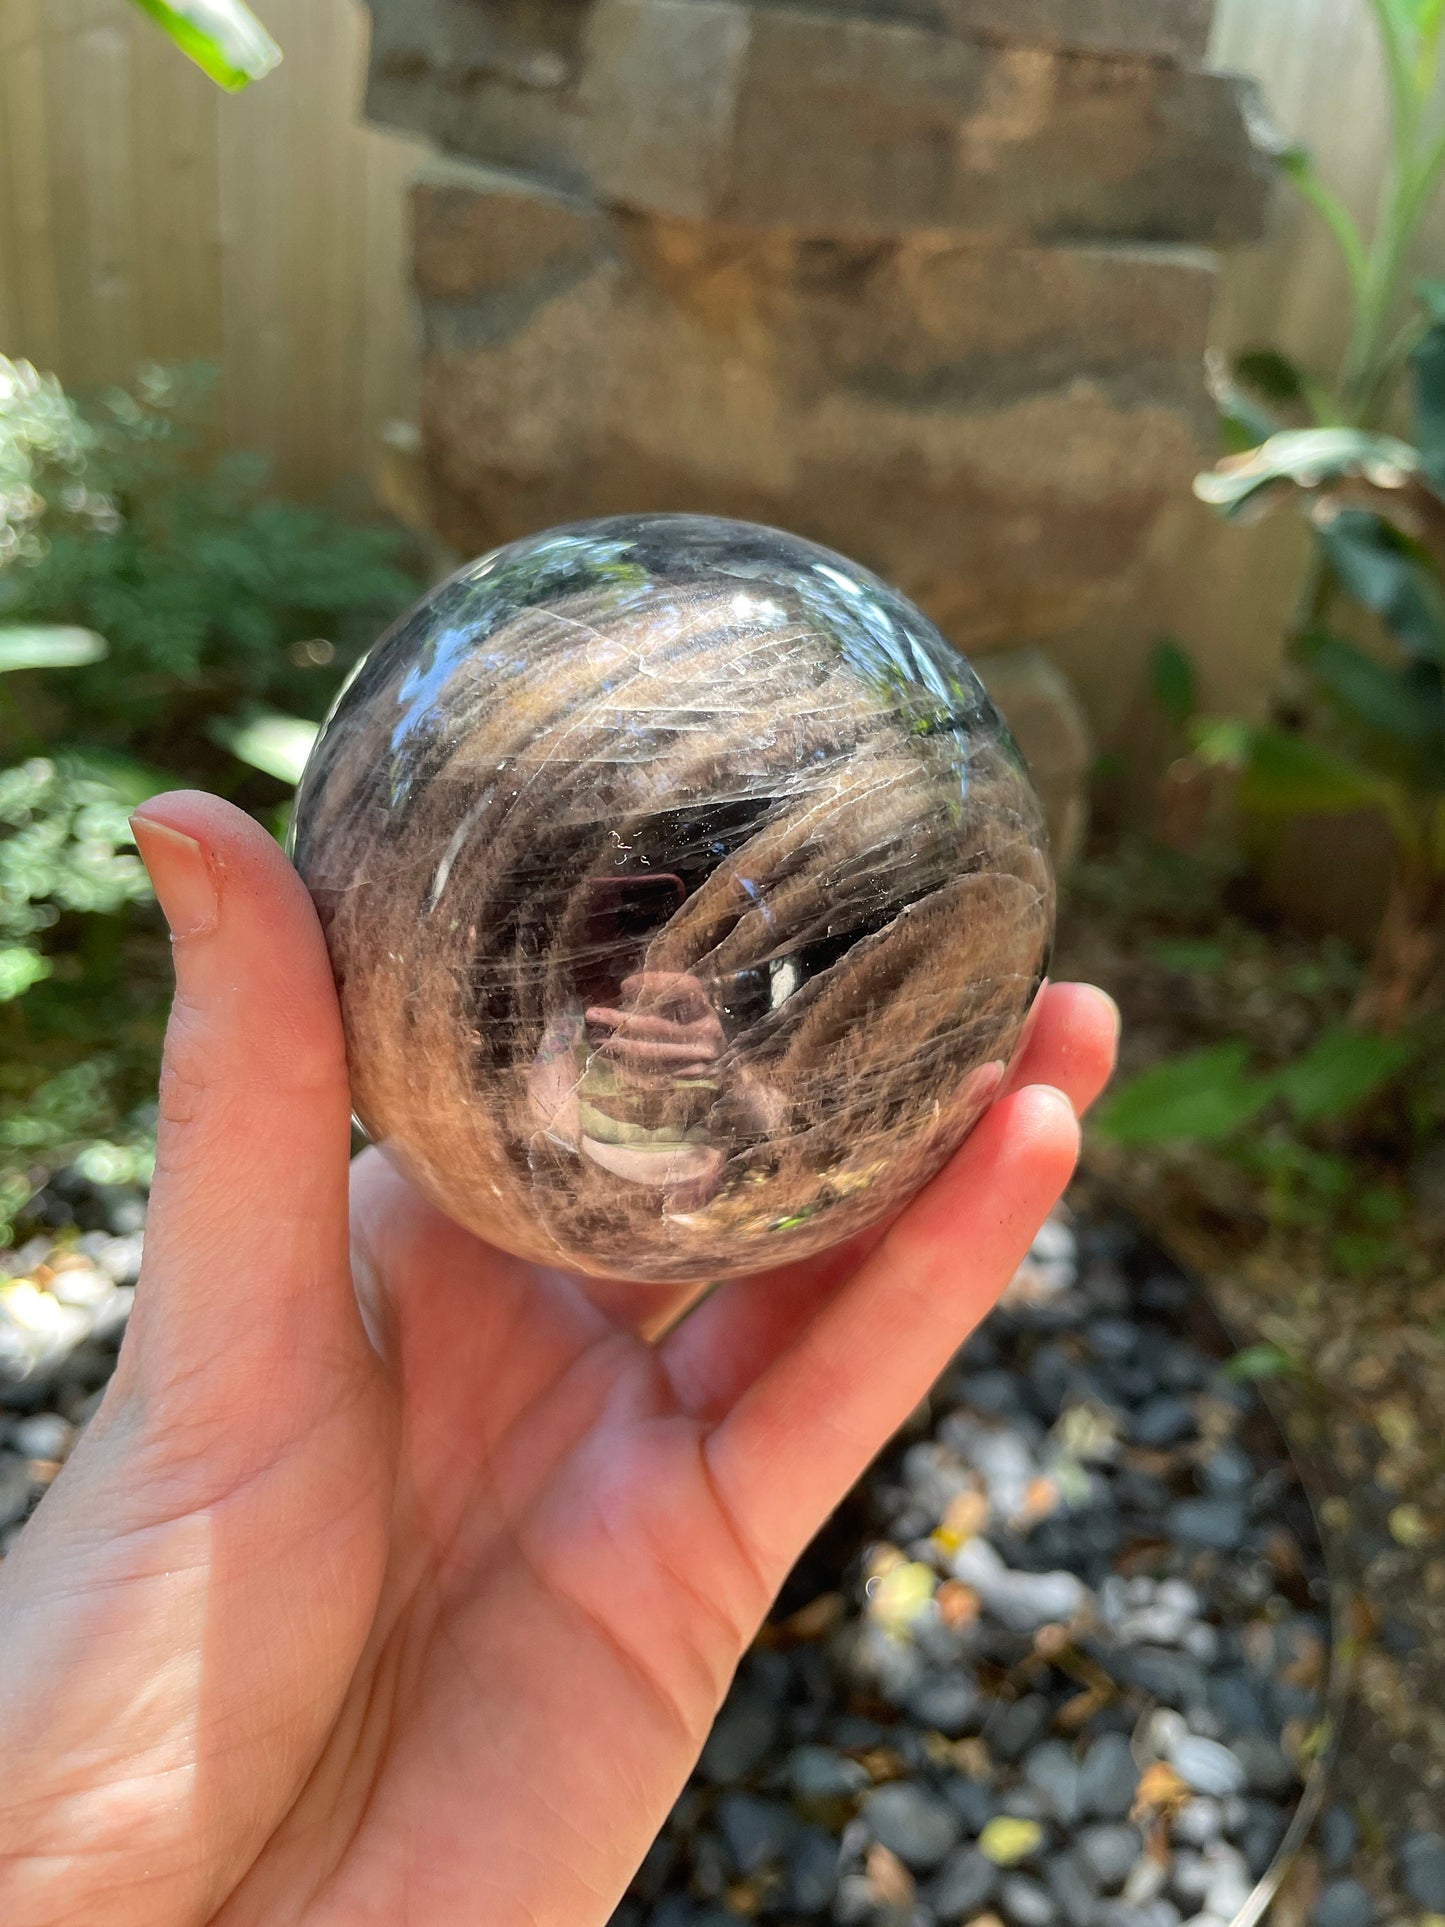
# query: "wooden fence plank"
[174,109]
[35,294]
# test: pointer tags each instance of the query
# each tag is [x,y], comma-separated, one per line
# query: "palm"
[557,1518]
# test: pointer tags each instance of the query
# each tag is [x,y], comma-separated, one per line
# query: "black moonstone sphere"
[685,892]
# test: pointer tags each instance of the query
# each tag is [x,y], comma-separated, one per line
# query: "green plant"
[1213,1094]
[64,848]
[188,596]
[1359,723]
[1376,261]
[160,614]
[210,592]
[223,37]
[1293,1128]
[1365,728]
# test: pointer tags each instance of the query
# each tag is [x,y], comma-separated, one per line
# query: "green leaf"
[1206,1095]
[277,745]
[1427,381]
[1300,169]
[1417,25]
[1369,690]
[1262,1361]
[1394,20]
[1340,1071]
[1222,741]
[1271,374]
[1289,775]
[131,781]
[1171,676]
[20,967]
[1305,459]
[1267,373]
[1377,566]
[48,646]
[223,37]
[1243,423]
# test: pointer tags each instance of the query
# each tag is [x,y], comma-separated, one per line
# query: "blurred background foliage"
[165,619]
[1317,1109]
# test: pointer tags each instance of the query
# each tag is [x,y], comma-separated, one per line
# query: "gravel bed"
[1060,1660]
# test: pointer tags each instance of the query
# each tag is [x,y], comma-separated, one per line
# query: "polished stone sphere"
[686,896]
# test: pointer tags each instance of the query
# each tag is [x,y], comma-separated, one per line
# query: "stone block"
[995,429]
[840,122]
[483,249]
[1173,30]
[494,81]
[855,128]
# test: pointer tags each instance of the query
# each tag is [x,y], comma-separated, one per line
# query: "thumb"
[245,1294]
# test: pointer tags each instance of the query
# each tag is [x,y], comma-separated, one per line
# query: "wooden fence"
[144,215]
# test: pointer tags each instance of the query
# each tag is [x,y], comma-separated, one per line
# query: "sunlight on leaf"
[1222,741]
[48,646]
[129,780]
[1306,459]
[223,37]
[277,745]
[20,967]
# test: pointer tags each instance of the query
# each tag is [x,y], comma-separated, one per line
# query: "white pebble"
[1230,1884]
[1024,1601]
[1180,1597]
[1146,1882]
[1113,1599]
[1189,1877]
[1201,1642]
[1207,1766]
[81,1285]
[1162,1732]
[1198,1822]
[44,1435]
[1159,1913]
[1054,1242]
[1154,1625]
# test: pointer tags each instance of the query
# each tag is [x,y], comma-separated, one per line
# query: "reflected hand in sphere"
[686,894]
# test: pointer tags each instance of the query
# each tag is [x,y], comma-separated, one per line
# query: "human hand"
[432,1630]
[664,1028]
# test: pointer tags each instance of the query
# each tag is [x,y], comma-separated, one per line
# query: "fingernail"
[180,875]
[1053,1096]
[1113,1009]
